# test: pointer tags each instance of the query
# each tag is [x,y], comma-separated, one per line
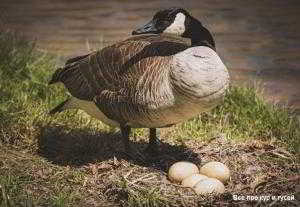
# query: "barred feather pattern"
[142,81]
[128,81]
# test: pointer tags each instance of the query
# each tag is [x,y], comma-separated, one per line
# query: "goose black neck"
[199,35]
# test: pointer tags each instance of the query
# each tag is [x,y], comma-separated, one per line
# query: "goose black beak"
[147,28]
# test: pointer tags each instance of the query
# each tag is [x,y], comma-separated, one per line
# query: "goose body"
[146,81]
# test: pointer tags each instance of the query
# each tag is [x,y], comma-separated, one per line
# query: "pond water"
[259,41]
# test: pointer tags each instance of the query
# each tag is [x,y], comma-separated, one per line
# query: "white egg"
[181,170]
[216,170]
[192,180]
[209,186]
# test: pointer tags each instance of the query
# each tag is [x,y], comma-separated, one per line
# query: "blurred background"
[259,41]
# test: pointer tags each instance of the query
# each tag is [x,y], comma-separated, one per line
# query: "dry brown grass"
[81,169]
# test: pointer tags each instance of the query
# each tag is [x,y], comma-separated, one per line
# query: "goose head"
[179,22]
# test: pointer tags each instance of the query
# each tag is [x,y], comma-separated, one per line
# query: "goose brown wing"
[121,65]
[125,78]
[136,76]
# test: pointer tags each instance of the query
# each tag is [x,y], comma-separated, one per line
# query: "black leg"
[153,141]
[125,130]
[132,153]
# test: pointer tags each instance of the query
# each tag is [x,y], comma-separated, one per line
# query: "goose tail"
[56,76]
[67,104]
[73,76]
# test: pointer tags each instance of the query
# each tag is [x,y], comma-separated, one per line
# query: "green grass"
[245,115]
[29,177]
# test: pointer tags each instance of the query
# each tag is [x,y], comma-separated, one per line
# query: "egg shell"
[181,170]
[192,180]
[216,170]
[209,186]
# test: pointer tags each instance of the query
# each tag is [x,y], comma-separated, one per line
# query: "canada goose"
[151,80]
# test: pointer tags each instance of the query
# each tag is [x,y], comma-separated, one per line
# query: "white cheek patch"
[177,27]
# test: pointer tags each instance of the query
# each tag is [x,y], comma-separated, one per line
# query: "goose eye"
[164,22]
